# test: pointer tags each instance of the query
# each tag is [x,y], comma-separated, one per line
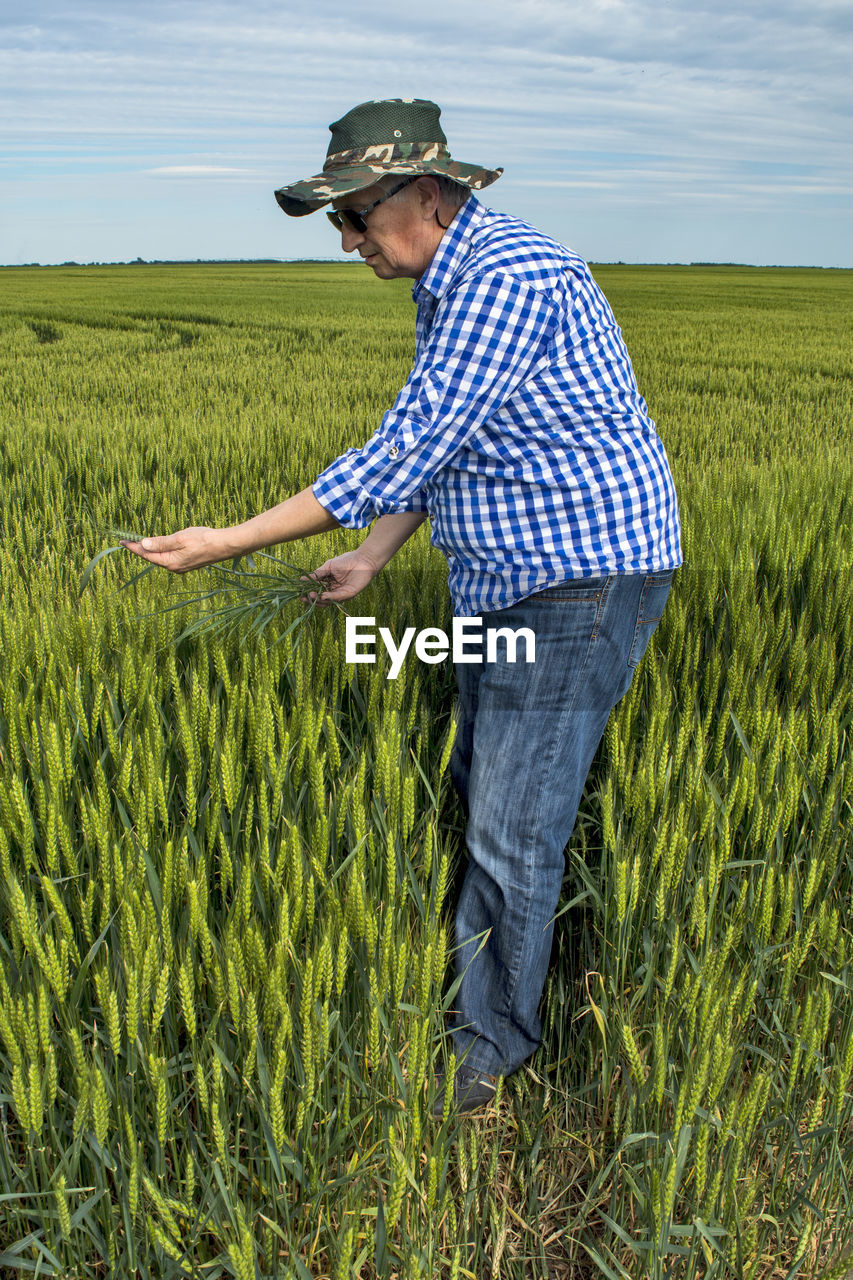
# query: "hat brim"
[311,194]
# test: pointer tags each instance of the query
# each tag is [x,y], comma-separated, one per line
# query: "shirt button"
[393,451]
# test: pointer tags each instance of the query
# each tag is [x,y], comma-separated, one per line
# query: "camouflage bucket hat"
[391,135]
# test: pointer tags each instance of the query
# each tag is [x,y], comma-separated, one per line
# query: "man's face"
[402,234]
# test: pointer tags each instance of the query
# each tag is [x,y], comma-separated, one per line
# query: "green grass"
[227,870]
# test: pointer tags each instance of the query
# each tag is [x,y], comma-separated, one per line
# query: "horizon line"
[350,262]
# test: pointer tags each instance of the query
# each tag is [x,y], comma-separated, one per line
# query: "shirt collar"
[452,250]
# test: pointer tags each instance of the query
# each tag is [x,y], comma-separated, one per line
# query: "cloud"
[199,170]
[620,99]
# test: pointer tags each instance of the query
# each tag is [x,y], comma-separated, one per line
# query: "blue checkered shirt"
[521,430]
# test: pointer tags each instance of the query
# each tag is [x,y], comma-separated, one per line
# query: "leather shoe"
[471,1090]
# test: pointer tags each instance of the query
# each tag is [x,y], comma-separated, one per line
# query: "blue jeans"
[525,742]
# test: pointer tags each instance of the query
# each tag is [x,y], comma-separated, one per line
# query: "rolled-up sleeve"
[487,337]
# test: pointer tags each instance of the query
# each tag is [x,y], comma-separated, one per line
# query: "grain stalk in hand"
[245,600]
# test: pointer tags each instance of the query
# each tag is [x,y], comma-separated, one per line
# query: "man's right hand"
[194,548]
[350,573]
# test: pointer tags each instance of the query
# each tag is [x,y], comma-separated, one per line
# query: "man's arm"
[296,517]
[389,533]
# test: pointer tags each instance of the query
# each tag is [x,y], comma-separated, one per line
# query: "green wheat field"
[228,866]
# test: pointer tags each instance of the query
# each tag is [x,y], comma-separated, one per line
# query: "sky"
[631,130]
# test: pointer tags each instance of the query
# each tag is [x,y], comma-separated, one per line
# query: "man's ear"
[426,189]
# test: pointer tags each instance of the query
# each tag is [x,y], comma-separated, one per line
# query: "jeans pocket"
[653,599]
[573,591]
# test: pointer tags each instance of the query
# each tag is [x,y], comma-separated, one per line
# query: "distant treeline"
[192,262]
[176,262]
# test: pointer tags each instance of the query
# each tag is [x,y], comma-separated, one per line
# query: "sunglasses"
[356,220]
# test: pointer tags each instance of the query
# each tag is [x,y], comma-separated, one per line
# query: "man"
[522,435]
